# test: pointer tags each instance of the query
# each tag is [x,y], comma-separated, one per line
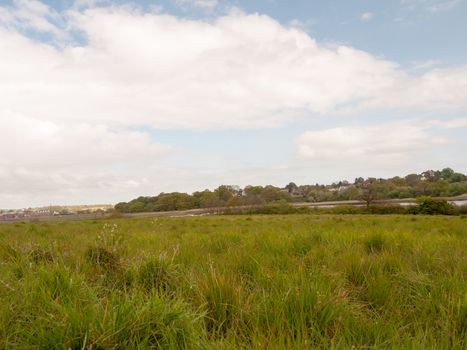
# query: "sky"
[104,101]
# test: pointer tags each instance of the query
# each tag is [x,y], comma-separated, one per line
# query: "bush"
[460,210]
[434,206]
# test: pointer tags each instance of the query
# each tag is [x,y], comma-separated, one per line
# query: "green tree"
[224,193]
[206,199]
[368,192]
[446,173]
[291,187]
[271,193]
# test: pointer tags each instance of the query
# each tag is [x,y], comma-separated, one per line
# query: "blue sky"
[409,32]
[104,101]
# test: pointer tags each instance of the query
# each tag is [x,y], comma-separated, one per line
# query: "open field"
[235,282]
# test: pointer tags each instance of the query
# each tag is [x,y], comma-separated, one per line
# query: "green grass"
[235,282]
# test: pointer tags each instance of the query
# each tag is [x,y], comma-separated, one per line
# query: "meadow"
[235,282]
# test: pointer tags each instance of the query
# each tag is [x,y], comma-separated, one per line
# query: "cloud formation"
[71,103]
[449,124]
[385,144]
[239,71]
[366,16]
[65,163]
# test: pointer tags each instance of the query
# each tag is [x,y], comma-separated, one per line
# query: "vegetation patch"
[224,282]
[375,243]
[102,257]
[158,274]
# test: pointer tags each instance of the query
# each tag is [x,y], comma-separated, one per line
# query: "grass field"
[235,282]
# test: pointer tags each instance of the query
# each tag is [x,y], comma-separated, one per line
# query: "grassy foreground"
[235,282]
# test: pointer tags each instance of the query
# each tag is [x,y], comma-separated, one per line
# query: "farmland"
[235,282]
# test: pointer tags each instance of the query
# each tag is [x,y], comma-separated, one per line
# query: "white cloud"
[381,150]
[387,144]
[240,71]
[68,113]
[449,124]
[366,16]
[436,89]
[42,160]
[71,145]
[200,4]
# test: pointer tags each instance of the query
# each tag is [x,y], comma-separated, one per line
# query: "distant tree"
[135,206]
[457,177]
[398,181]
[253,190]
[446,183]
[174,201]
[235,190]
[350,193]
[291,187]
[431,175]
[206,199]
[458,188]
[403,192]
[438,188]
[235,201]
[446,173]
[382,188]
[252,195]
[224,193]
[368,192]
[432,206]
[121,207]
[359,181]
[412,179]
[271,193]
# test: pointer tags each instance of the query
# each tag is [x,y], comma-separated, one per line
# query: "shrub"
[461,210]
[434,206]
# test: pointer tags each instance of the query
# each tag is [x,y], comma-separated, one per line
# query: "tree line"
[439,183]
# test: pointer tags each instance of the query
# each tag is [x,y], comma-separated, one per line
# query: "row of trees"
[221,197]
[443,183]
[440,183]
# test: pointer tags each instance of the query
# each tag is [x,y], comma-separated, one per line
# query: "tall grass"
[235,282]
